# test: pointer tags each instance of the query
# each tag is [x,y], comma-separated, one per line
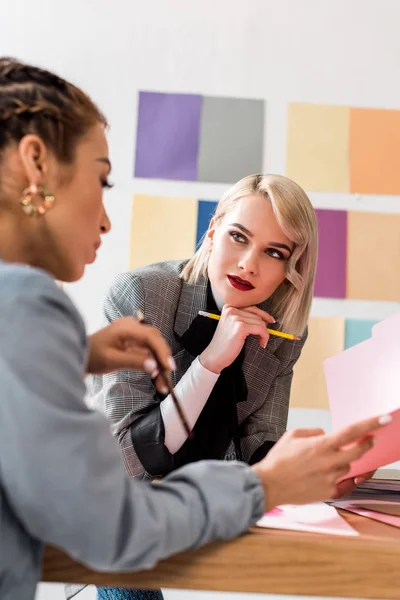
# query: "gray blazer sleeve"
[129,398]
[61,469]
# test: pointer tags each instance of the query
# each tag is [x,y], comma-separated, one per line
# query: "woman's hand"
[305,464]
[233,328]
[127,344]
[347,485]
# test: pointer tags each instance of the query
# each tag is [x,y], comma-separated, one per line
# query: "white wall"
[335,52]
[314,51]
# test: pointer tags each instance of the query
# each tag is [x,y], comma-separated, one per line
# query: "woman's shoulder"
[157,278]
[22,281]
[33,288]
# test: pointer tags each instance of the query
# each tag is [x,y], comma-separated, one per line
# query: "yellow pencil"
[281,334]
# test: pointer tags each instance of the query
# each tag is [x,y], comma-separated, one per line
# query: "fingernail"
[265,345]
[149,365]
[171,364]
[155,373]
[273,319]
[373,440]
[164,390]
[385,419]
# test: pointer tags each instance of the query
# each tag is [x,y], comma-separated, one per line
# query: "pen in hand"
[168,382]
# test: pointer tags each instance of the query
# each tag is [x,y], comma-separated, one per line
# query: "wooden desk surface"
[267,561]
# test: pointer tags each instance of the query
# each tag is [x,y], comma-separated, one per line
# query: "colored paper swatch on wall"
[374,151]
[197,138]
[330,281]
[357,331]
[317,151]
[231,139]
[205,212]
[162,229]
[325,338]
[373,256]
[167,143]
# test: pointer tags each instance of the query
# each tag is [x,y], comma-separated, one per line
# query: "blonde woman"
[256,265]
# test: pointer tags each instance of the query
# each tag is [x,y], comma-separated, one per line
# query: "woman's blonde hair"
[291,302]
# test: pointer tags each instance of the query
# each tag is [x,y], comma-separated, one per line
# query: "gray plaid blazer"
[170,304]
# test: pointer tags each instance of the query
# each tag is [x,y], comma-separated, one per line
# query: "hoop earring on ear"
[27,196]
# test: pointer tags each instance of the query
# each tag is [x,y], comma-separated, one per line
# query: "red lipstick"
[240,284]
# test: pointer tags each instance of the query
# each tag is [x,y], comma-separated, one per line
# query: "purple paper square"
[168,136]
[330,281]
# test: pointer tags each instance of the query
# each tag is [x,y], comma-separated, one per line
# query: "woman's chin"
[72,273]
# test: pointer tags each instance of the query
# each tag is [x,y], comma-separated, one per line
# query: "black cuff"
[148,437]
[261,452]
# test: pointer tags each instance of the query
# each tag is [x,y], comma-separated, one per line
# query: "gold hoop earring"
[27,196]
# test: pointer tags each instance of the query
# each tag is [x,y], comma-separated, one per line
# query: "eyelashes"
[276,254]
[238,237]
[272,252]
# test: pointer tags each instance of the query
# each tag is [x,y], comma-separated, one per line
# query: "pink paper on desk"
[370,514]
[315,518]
[364,381]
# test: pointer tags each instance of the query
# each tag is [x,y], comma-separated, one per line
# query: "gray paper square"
[231,139]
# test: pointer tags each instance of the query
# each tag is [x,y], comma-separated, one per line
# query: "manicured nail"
[385,419]
[171,364]
[149,365]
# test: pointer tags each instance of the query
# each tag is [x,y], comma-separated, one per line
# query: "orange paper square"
[374,151]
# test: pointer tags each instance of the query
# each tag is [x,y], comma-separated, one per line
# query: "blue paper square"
[206,211]
[357,331]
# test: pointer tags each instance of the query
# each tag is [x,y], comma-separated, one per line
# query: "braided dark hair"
[33,100]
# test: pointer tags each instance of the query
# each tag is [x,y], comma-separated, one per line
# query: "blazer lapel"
[260,365]
[193,298]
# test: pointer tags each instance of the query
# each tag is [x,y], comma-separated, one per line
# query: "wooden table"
[266,561]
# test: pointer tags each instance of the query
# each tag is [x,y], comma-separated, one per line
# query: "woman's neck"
[217,299]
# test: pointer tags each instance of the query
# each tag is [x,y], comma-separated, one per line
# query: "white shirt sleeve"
[193,391]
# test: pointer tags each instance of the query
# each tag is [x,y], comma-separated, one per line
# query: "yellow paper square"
[373,256]
[162,229]
[325,339]
[317,155]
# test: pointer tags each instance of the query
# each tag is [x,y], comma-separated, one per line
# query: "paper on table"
[364,381]
[315,518]
[371,514]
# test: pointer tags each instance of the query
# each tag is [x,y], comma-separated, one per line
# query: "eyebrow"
[275,244]
[106,161]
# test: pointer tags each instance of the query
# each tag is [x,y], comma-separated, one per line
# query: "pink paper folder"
[371,514]
[364,381]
